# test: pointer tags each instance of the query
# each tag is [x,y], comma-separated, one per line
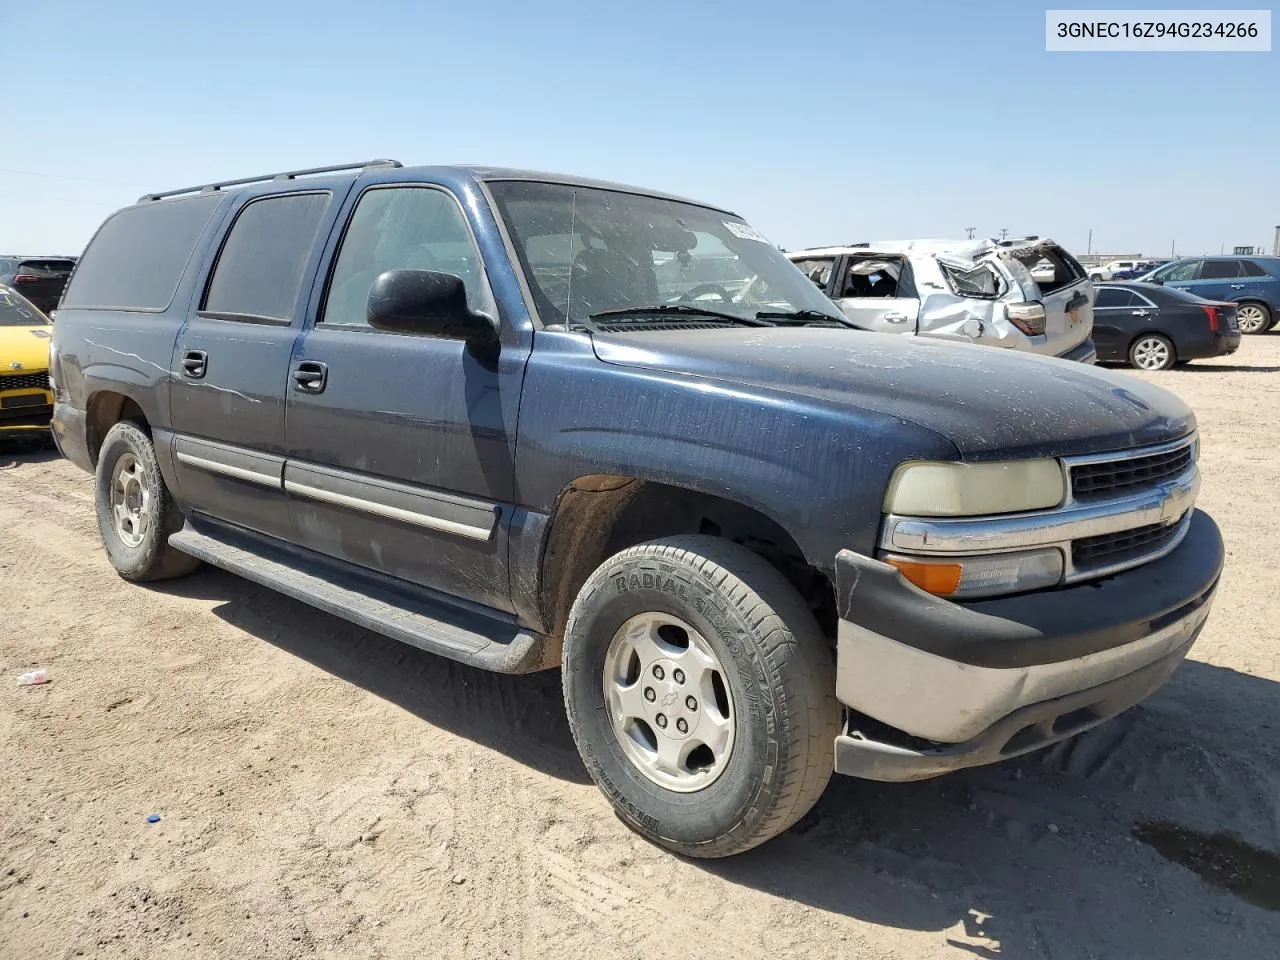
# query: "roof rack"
[286,175]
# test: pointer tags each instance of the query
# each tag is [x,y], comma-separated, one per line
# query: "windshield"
[586,251]
[16,312]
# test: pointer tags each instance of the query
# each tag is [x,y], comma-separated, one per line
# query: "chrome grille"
[1119,548]
[1110,478]
[24,381]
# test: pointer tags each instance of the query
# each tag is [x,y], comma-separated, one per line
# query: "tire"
[1151,351]
[776,694]
[139,547]
[1254,317]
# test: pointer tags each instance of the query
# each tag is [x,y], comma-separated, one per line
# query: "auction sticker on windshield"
[743,231]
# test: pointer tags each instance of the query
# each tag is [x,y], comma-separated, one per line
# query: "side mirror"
[428,303]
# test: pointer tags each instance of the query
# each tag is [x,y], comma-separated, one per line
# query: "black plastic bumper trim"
[1047,626]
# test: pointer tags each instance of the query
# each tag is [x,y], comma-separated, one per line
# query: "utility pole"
[1089,250]
[1004,233]
[970,231]
[1171,248]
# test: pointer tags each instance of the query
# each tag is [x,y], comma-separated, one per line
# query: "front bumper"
[934,686]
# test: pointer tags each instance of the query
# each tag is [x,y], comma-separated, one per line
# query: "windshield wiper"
[799,317]
[681,309]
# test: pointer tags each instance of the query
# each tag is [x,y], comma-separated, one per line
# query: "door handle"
[1142,313]
[1237,286]
[895,318]
[194,364]
[310,376]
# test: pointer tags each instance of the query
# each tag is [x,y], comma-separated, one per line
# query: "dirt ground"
[325,792]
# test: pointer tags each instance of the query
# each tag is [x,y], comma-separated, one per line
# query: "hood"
[991,403]
[28,346]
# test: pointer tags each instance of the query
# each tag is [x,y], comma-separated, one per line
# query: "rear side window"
[45,269]
[259,270]
[1111,297]
[137,257]
[1250,269]
[1220,270]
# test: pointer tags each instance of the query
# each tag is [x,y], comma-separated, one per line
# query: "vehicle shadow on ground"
[1226,368]
[521,716]
[1031,858]
[1036,857]
[15,453]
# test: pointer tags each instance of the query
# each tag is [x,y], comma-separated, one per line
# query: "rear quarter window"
[136,259]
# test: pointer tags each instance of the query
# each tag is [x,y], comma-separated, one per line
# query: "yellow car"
[26,403]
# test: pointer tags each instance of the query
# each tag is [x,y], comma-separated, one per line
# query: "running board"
[407,613]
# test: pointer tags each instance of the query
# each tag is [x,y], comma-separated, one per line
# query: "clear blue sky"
[818,123]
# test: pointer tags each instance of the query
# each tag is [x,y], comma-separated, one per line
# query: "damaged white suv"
[1025,294]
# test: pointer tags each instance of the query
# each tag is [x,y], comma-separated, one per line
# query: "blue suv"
[1251,282]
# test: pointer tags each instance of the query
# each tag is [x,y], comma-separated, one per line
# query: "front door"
[877,293]
[231,362]
[401,447]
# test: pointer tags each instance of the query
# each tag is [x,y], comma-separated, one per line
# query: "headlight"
[925,489]
[986,576]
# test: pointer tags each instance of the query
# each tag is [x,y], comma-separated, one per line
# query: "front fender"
[818,470]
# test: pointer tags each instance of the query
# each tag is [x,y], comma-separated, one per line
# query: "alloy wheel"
[668,700]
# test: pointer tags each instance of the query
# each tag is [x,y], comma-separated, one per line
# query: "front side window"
[259,271]
[1175,272]
[587,251]
[1220,270]
[817,269]
[400,228]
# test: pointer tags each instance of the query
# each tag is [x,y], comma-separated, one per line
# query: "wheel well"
[105,410]
[597,516]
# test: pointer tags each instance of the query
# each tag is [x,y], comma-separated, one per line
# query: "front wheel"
[701,694]
[1253,318]
[1152,352]
[136,514]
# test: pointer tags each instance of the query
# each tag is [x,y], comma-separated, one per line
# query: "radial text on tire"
[701,694]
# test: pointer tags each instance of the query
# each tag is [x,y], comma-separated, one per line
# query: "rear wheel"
[1253,318]
[701,694]
[1152,352]
[136,514]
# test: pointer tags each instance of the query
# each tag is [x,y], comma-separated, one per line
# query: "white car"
[1108,270]
[1025,295]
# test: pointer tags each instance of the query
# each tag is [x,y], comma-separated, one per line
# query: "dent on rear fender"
[968,320]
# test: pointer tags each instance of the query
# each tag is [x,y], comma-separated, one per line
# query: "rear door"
[231,359]
[1217,280]
[1256,284]
[878,293]
[1117,315]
